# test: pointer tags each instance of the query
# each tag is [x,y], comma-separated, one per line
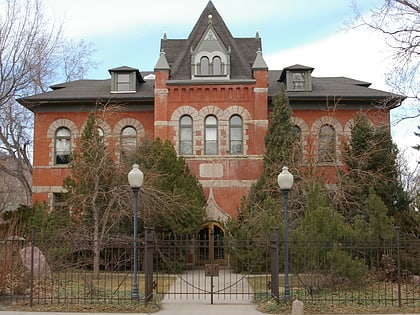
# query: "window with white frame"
[210,65]
[59,203]
[123,82]
[62,145]
[235,135]
[204,66]
[128,140]
[298,81]
[297,145]
[210,135]
[186,135]
[217,66]
[326,144]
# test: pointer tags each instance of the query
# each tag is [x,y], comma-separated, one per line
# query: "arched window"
[186,135]
[100,133]
[217,65]
[210,135]
[297,143]
[204,66]
[235,135]
[129,139]
[326,144]
[62,145]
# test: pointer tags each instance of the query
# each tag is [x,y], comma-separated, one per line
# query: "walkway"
[190,295]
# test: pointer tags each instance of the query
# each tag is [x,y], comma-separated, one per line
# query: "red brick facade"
[244,90]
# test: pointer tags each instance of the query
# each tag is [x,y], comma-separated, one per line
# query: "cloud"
[355,53]
[89,18]
[360,55]
[96,18]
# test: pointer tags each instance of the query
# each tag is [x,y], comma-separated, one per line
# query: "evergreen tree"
[175,202]
[323,231]
[376,225]
[280,146]
[371,160]
[321,224]
[261,209]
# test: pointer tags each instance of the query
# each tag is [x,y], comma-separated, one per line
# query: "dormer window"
[210,59]
[125,80]
[297,78]
[298,81]
[215,67]
[204,66]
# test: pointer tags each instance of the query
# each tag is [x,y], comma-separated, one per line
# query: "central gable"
[210,59]
[210,33]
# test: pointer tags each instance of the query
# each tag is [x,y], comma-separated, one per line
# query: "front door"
[210,248]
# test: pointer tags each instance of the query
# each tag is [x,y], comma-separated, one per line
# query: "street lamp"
[285,181]
[135,179]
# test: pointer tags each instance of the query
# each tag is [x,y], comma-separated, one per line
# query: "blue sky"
[312,33]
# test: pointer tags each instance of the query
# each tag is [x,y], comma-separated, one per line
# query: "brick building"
[210,95]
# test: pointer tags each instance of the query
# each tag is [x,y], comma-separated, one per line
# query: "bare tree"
[33,54]
[399,22]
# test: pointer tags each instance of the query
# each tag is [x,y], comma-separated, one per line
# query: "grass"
[85,291]
[111,292]
[372,297]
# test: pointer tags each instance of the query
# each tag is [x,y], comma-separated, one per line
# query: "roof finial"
[162,63]
[257,34]
[259,63]
[164,36]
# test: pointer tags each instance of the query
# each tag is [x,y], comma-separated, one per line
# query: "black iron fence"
[44,271]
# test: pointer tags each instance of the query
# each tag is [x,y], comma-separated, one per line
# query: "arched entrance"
[210,247]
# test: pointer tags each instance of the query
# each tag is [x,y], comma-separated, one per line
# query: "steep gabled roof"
[243,50]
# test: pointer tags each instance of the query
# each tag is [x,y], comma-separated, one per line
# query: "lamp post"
[135,179]
[285,181]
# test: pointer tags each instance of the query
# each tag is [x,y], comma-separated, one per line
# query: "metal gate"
[243,277]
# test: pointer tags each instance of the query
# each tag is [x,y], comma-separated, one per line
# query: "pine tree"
[177,203]
[324,231]
[371,161]
[380,224]
[261,209]
[280,146]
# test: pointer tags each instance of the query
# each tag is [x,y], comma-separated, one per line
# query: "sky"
[311,33]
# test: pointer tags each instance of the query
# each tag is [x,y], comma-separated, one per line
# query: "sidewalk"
[195,302]
[235,301]
[187,297]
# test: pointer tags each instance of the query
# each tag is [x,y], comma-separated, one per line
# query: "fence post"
[398,265]
[31,275]
[274,248]
[148,264]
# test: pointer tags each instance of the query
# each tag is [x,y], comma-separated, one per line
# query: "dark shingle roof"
[90,91]
[342,87]
[178,55]
[93,90]
[243,50]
